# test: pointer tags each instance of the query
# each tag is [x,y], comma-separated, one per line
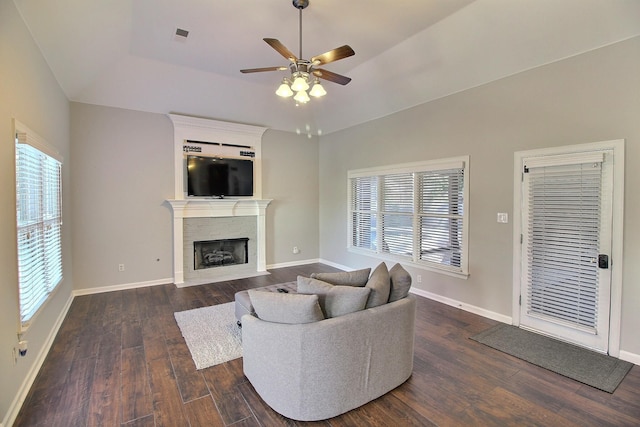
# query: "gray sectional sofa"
[325,349]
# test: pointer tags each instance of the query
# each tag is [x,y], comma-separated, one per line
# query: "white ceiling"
[124,53]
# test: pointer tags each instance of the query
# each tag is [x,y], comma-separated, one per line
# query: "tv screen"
[219,177]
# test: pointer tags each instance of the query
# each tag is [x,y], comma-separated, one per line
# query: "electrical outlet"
[120,267]
[419,278]
[296,250]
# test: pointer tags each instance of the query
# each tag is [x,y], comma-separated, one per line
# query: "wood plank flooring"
[119,359]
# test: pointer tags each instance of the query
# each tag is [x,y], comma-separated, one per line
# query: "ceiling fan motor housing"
[301,65]
[300,4]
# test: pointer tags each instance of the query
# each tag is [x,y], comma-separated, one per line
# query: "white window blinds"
[412,213]
[39,224]
[363,209]
[441,216]
[397,212]
[563,221]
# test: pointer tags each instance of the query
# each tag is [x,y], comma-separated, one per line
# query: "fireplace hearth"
[220,253]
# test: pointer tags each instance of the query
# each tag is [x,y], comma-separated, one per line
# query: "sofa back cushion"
[380,286]
[344,278]
[400,283]
[334,300]
[286,307]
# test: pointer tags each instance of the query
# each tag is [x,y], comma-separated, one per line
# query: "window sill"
[408,262]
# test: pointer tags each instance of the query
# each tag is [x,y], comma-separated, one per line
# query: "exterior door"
[566,240]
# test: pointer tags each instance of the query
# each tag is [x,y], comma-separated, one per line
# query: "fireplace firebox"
[220,253]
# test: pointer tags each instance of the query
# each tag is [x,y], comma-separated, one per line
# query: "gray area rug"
[594,369]
[211,333]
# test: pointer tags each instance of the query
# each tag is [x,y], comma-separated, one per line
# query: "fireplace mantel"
[216,208]
[211,208]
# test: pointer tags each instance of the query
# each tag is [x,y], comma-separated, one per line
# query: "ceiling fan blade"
[259,70]
[281,49]
[333,55]
[331,76]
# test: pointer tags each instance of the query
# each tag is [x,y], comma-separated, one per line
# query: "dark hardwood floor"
[119,359]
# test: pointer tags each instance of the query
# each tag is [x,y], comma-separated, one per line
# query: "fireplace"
[220,253]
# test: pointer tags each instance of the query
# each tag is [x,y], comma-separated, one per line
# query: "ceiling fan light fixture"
[284,90]
[305,76]
[302,97]
[317,90]
[300,82]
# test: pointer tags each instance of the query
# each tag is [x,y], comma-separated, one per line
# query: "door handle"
[603,261]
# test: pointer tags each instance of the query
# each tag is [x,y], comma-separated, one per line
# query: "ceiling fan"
[302,70]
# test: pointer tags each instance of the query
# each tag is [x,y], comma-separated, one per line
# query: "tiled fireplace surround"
[199,219]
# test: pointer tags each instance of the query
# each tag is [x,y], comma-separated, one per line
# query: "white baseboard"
[310,261]
[122,287]
[630,357]
[463,306]
[335,265]
[16,404]
[224,278]
[293,263]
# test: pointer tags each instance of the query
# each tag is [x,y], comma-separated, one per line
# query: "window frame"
[377,212]
[43,219]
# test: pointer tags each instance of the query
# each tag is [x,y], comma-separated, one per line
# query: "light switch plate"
[503,217]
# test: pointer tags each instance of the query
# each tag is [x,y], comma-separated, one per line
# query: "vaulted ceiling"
[124,53]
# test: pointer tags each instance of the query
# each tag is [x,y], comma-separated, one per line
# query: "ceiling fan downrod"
[300,4]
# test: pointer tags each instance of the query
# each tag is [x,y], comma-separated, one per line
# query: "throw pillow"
[380,286]
[285,308]
[344,278]
[335,300]
[400,283]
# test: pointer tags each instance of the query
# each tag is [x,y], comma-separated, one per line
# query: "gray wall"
[290,178]
[29,93]
[122,173]
[591,97]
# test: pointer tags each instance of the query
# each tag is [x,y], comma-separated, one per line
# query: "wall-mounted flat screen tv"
[219,177]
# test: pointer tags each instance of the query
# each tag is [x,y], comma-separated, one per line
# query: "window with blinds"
[563,230]
[413,213]
[39,224]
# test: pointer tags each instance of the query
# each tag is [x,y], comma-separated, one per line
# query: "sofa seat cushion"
[380,286]
[344,278]
[335,301]
[287,308]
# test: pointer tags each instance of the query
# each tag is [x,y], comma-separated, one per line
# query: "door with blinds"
[565,286]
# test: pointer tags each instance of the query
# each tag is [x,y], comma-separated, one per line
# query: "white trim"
[23,391]
[382,256]
[430,165]
[207,208]
[630,357]
[292,263]
[459,162]
[617,232]
[121,287]
[198,129]
[335,265]
[564,159]
[463,306]
[36,141]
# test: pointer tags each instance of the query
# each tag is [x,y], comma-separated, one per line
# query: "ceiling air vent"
[181,35]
